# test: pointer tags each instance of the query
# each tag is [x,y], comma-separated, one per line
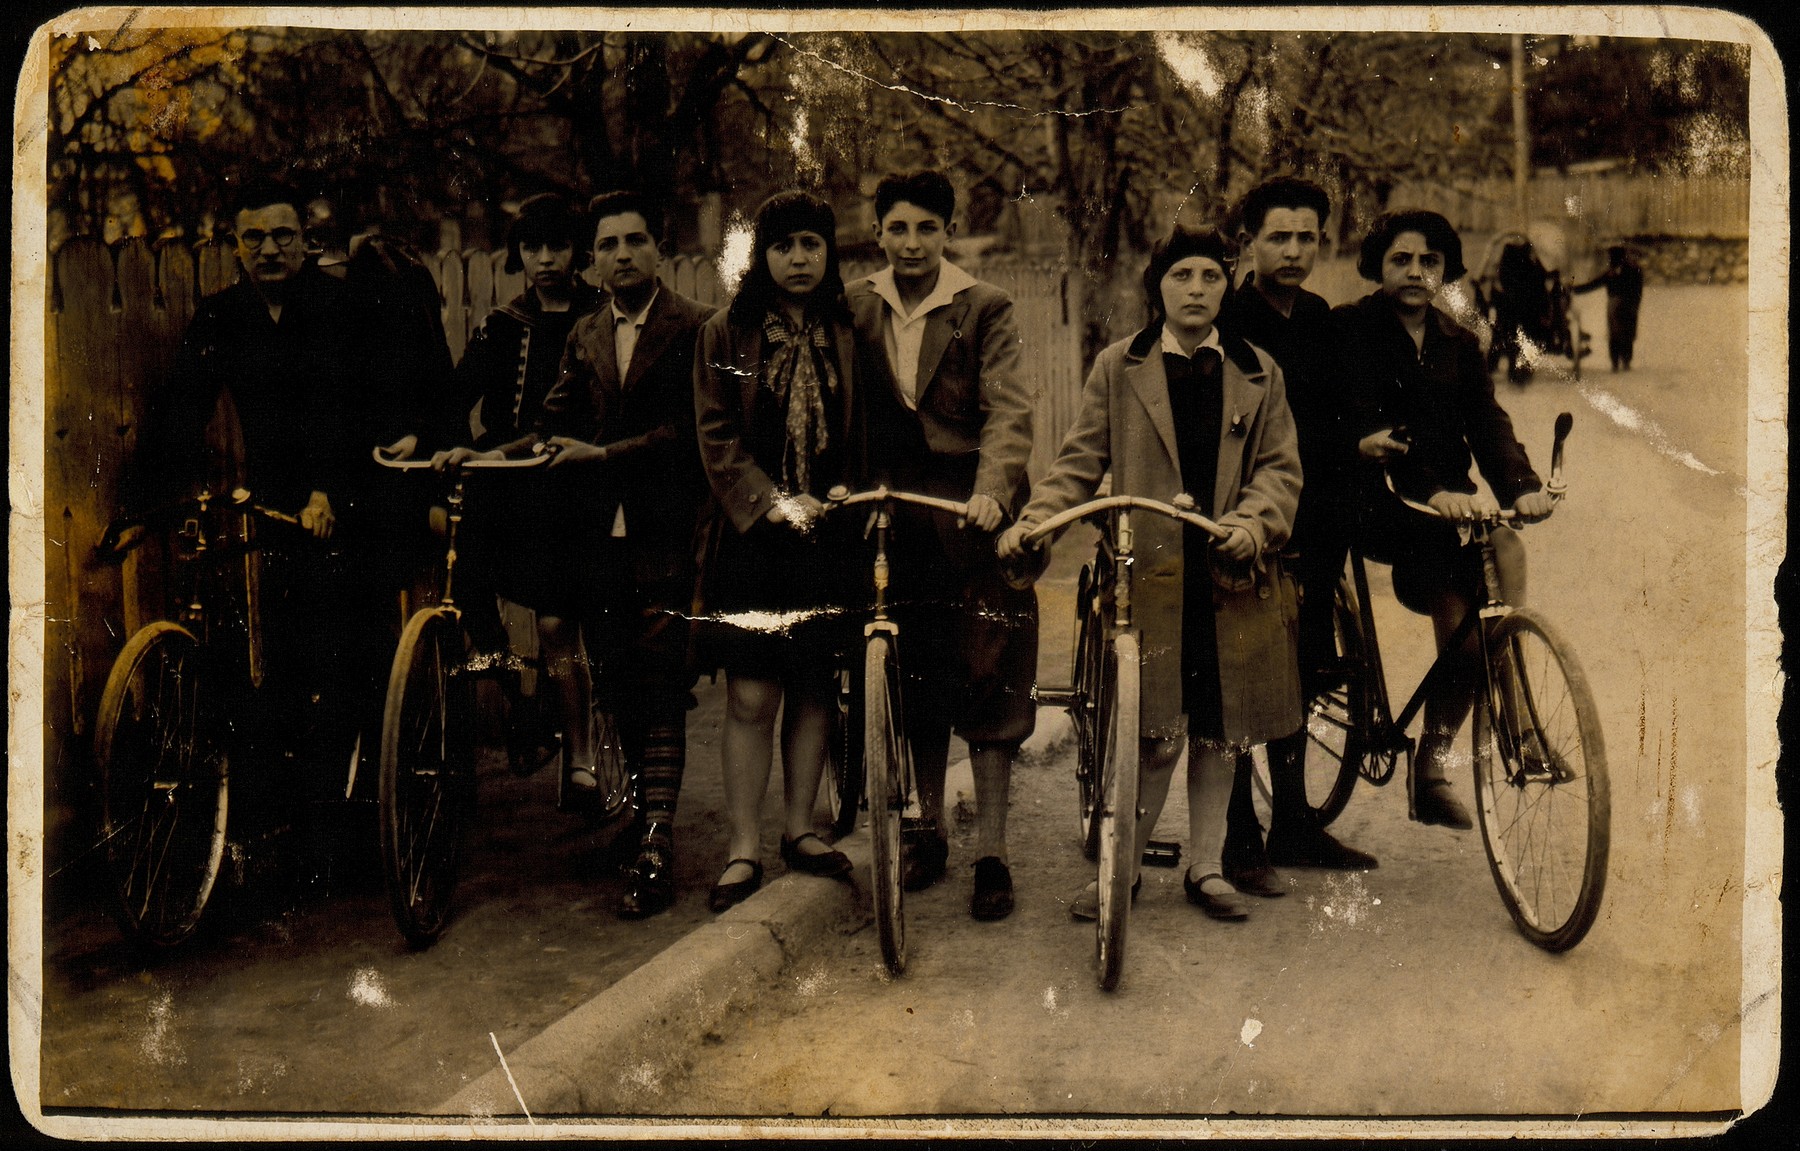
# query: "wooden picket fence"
[1607,205]
[114,319]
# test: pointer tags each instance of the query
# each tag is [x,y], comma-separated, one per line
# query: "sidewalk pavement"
[608,1055]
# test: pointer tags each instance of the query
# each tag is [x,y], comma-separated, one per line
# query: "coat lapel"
[1151,385]
[1243,397]
[659,326]
[940,327]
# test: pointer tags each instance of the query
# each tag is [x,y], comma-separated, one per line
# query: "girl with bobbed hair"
[1421,407]
[778,423]
[1184,407]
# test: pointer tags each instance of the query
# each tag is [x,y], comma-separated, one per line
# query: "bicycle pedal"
[1162,853]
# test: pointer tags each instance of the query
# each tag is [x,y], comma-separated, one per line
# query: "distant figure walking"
[1624,284]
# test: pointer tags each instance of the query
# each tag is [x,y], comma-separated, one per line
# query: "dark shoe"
[728,895]
[1433,802]
[1087,901]
[1227,906]
[651,881]
[923,854]
[829,863]
[1314,848]
[1261,882]
[993,898]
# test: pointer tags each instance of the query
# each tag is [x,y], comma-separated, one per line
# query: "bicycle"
[889,788]
[1538,745]
[427,780]
[1103,704]
[171,721]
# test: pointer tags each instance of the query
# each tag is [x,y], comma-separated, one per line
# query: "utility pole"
[1521,137]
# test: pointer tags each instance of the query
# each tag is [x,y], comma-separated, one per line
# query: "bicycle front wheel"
[164,784]
[1118,809]
[1540,777]
[888,771]
[1337,718]
[427,772]
[1090,706]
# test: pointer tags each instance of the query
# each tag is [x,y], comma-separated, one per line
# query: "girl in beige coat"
[1182,408]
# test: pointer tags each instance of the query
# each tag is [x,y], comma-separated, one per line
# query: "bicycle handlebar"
[842,497]
[1179,509]
[1555,487]
[415,465]
[108,548]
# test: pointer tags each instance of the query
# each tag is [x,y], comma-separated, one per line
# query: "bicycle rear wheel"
[427,772]
[1337,718]
[1118,810]
[164,784]
[886,759]
[1090,705]
[1540,777]
[615,789]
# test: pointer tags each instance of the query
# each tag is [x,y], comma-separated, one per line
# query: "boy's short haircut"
[259,193]
[1282,192]
[623,202]
[545,218]
[1182,243]
[1439,237]
[926,188]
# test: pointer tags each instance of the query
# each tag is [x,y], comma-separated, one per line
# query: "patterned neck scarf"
[799,370]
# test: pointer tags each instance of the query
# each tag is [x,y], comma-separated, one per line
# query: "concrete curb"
[612,1054]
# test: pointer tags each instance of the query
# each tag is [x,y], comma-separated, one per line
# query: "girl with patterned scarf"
[779,427]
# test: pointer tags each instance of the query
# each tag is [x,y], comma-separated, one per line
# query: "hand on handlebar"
[1533,506]
[568,450]
[122,540]
[1383,445]
[1237,545]
[402,448]
[1460,507]
[457,457]
[1012,543]
[798,510]
[316,517]
[984,513]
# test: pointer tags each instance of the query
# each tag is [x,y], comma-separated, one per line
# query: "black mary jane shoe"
[1226,906]
[830,863]
[650,887]
[728,895]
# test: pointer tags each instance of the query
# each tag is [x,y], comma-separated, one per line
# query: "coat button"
[1262,593]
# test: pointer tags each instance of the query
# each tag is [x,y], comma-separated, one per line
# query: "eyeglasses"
[283,237]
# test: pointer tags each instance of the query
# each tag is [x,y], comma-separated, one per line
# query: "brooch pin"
[1237,424]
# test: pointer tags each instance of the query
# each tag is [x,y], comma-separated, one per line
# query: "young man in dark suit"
[621,418]
[949,414]
[1280,224]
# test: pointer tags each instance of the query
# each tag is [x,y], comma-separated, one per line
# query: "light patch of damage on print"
[772,622]
[1346,903]
[158,1043]
[367,990]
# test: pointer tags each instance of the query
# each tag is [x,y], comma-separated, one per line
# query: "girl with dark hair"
[778,428]
[517,547]
[1421,408]
[1184,407]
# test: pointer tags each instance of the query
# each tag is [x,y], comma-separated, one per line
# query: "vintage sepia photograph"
[698,573]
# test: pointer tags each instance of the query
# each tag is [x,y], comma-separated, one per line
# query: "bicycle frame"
[1388,738]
